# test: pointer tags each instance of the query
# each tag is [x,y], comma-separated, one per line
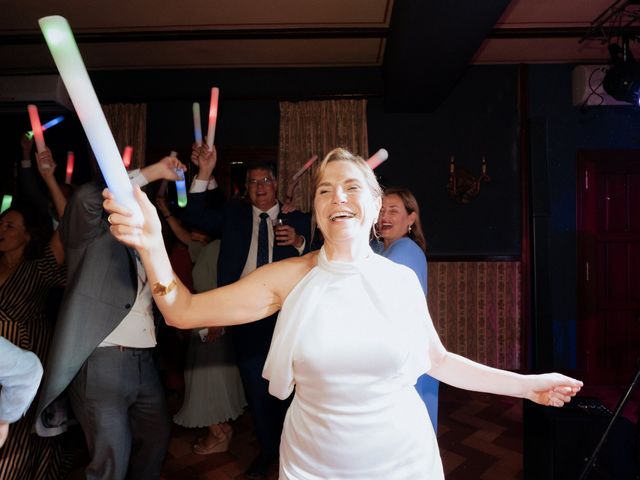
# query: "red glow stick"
[213,116]
[70,161]
[36,127]
[304,168]
[126,156]
[377,158]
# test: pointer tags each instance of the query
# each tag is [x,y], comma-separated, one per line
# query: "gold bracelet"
[161,290]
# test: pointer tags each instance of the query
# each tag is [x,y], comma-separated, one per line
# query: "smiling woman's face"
[13,233]
[344,205]
[394,220]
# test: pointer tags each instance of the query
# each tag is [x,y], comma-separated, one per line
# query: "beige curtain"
[128,123]
[316,128]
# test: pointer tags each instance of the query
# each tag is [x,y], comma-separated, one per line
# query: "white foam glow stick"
[126,156]
[181,185]
[377,158]
[68,60]
[304,168]
[197,124]
[70,162]
[36,127]
[213,116]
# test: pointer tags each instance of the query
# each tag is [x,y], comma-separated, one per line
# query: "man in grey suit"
[101,352]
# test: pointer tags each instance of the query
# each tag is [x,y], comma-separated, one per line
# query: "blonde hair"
[343,155]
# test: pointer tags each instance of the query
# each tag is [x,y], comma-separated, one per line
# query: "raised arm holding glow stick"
[126,156]
[377,158]
[69,172]
[181,185]
[66,55]
[36,127]
[197,124]
[47,125]
[213,116]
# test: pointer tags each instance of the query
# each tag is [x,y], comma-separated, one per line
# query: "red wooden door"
[608,216]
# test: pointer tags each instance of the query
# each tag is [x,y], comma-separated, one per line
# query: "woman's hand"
[551,389]
[46,164]
[143,237]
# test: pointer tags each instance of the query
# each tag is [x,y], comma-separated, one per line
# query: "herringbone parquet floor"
[480,437]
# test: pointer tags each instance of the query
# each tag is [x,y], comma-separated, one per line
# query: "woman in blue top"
[403,242]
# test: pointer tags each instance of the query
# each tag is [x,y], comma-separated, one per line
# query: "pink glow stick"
[304,168]
[126,156]
[213,116]
[377,158]
[36,127]
[197,124]
[70,162]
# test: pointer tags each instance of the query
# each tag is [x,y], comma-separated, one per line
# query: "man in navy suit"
[238,223]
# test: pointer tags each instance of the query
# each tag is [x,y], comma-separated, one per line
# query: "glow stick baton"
[304,168]
[6,202]
[197,125]
[213,116]
[181,185]
[36,127]
[70,161]
[377,158]
[126,156]
[49,124]
[66,56]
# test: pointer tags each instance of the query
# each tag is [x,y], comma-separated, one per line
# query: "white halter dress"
[353,338]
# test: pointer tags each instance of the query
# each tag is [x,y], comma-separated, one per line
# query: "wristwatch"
[161,290]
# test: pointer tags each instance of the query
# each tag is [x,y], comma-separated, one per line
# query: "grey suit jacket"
[101,288]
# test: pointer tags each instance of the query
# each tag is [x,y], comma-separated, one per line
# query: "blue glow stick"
[49,124]
[197,128]
[181,186]
[6,202]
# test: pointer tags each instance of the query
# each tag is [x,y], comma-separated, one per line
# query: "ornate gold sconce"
[464,187]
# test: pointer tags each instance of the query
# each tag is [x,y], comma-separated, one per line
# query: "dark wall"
[480,117]
[569,129]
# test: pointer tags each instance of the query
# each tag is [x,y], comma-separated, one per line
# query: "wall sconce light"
[464,187]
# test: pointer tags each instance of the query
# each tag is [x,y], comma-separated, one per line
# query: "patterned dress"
[23,322]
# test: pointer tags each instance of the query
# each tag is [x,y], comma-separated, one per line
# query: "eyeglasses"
[252,182]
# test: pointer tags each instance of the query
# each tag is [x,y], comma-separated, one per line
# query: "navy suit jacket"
[233,223]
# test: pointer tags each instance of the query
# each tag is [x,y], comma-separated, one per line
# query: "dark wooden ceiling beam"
[430,45]
[190,35]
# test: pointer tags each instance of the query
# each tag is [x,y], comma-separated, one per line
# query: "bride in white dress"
[353,335]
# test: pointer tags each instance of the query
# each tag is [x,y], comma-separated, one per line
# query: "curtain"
[128,123]
[316,128]
[476,308]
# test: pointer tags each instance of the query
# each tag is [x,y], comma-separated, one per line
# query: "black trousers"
[119,401]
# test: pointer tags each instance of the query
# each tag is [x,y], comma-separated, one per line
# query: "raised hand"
[46,164]
[142,236]
[206,161]
[163,169]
